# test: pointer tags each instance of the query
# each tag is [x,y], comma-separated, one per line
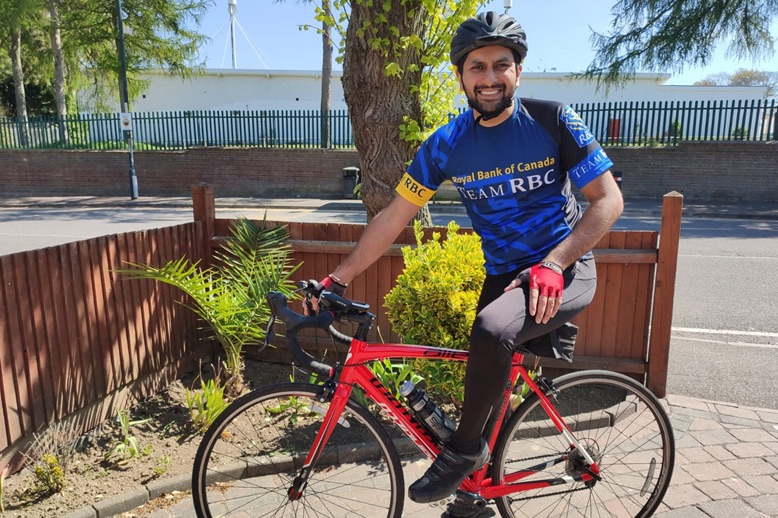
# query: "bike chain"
[549,494]
[545,494]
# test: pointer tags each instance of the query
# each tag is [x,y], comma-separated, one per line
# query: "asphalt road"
[725,326]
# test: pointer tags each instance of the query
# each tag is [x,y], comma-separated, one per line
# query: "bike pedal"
[466,505]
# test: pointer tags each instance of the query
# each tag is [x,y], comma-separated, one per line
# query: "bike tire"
[618,421]
[249,458]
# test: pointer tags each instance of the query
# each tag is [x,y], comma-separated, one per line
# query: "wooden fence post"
[204,209]
[664,291]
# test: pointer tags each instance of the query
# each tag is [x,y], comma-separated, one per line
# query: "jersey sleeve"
[423,177]
[581,154]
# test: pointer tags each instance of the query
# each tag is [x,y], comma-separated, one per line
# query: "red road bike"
[589,443]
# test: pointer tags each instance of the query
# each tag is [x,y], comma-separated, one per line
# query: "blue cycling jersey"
[513,178]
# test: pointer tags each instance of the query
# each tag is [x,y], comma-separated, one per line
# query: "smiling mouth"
[489,92]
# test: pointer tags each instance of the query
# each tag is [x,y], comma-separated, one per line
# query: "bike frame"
[355,372]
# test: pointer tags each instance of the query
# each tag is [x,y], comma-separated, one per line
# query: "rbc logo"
[576,127]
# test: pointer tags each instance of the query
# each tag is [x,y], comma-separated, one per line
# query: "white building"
[253,108]
[227,89]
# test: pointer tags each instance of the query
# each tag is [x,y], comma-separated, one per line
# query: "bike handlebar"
[333,307]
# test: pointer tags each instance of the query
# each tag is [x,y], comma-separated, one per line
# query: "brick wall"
[700,171]
[704,172]
[246,172]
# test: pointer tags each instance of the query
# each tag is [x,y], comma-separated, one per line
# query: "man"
[512,161]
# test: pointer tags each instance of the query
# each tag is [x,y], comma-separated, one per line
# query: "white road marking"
[729,256]
[724,332]
[738,344]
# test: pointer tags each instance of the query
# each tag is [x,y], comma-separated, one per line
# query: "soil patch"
[167,442]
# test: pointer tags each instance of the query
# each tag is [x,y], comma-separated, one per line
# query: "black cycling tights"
[502,324]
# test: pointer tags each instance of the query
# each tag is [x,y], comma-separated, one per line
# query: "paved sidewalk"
[727,455]
[738,210]
[726,467]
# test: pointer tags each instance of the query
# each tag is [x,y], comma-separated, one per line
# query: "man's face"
[489,78]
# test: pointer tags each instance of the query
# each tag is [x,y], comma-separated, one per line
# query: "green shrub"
[128,448]
[206,404]
[740,133]
[49,476]
[435,300]
[675,129]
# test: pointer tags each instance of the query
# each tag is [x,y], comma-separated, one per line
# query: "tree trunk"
[59,72]
[377,102]
[18,77]
[326,78]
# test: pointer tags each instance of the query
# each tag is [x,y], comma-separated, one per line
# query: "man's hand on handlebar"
[329,283]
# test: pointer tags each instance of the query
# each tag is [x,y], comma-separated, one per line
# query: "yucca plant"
[230,296]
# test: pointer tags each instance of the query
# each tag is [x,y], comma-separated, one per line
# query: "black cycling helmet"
[489,28]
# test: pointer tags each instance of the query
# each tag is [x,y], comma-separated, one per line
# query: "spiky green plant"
[230,296]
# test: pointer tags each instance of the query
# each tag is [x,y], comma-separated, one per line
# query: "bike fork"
[338,396]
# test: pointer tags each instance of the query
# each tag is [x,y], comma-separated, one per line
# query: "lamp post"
[124,99]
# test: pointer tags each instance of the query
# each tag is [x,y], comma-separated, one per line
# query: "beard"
[493,109]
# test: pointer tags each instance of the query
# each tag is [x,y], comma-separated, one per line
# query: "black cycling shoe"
[447,473]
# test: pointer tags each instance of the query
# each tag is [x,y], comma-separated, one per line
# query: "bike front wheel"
[619,423]
[250,462]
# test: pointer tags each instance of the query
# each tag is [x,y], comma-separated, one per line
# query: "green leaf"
[393,69]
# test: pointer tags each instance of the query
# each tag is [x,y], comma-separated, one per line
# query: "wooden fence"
[77,343]
[626,328]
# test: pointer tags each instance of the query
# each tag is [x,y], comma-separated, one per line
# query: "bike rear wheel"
[617,421]
[251,459]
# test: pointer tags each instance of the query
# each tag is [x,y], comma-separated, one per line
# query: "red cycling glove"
[311,303]
[546,280]
[330,284]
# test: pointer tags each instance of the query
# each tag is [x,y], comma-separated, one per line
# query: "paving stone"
[730,509]
[765,484]
[767,504]
[749,449]
[680,476]
[686,402]
[702,471]
[704,424]
[686,441]
[767,417]
[772,459]
[773,446]
[745,467]
[751,435]
[729,421]
[691,412]
[684,495]
[692,455]
[720,453]
[710,437]
[680,424]
[716,490]
[740,486]
[737,412]
[685,512]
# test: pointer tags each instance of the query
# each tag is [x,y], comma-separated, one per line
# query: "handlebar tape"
[295,322]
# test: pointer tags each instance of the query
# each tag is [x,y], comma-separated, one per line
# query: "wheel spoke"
[617,422]
[255,451]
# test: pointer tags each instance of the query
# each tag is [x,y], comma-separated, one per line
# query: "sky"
[267,36]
